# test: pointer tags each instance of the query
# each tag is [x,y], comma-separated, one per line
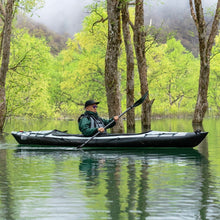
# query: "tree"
[205,47]
[7,12]
[112,79]
[6,17]
[130,66]
[139,44]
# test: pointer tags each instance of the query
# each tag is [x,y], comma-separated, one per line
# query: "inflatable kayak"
[155,139]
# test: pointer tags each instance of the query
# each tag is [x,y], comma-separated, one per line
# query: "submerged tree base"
[197,126]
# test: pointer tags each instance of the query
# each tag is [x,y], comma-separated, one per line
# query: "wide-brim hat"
[90,102]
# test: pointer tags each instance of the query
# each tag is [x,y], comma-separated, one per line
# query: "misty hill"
[183,30]
[172,17]
[182,27]
[177,22]
[56,41]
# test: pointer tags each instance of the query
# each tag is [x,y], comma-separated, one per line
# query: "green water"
[152,184]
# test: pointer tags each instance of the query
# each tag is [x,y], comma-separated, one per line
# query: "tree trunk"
[6,39]
[205,47]
[130,68]
[112,78]
[139,44]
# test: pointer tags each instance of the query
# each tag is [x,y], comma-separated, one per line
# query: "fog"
[66,16]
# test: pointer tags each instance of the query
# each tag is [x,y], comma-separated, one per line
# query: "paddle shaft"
[104,127]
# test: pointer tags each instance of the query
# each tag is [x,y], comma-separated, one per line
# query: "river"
[152,184]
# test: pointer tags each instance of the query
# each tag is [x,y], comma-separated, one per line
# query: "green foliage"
[42,85]
[55,41]
[172,69]
[28,6]
[83,65]
[28,76]
[214,84]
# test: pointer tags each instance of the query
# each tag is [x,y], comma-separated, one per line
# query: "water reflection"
[7,203]
[203,147]
[115,185]
[206,184]
[136,190]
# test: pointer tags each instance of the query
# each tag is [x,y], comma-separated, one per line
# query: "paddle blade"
[141,100]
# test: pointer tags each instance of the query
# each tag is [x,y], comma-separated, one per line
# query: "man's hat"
[90,102]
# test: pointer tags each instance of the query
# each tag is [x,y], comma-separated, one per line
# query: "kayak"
[150,139]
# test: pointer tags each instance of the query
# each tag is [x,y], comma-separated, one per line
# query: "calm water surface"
[154,184]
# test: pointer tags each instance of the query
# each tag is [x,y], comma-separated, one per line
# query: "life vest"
[96,122]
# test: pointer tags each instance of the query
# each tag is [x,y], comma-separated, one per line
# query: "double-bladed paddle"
[138,102]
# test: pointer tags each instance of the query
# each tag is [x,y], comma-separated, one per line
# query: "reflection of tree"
[205,174]
[133,187]
[206,189]
[203,146]
[113,193]
[90,167]
[5,189]
[142,201]
[126,187]
[132,178]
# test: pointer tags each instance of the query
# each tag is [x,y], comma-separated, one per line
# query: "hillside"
[175,17]
[57,42]
[177,23]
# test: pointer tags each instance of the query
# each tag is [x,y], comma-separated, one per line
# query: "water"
[153,184]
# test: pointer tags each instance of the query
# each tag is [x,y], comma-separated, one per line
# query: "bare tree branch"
[18,64]
[193,13]
[99,21]
[2,12]
[214,29]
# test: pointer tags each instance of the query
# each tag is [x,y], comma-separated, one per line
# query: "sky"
[66,16]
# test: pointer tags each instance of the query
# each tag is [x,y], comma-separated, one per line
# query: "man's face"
[92,108]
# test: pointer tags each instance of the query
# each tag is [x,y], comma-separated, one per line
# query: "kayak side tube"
[141,140]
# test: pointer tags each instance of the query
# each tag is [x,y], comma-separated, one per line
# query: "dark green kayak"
[155,139]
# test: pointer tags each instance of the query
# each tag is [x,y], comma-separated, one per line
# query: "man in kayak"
[90,123]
